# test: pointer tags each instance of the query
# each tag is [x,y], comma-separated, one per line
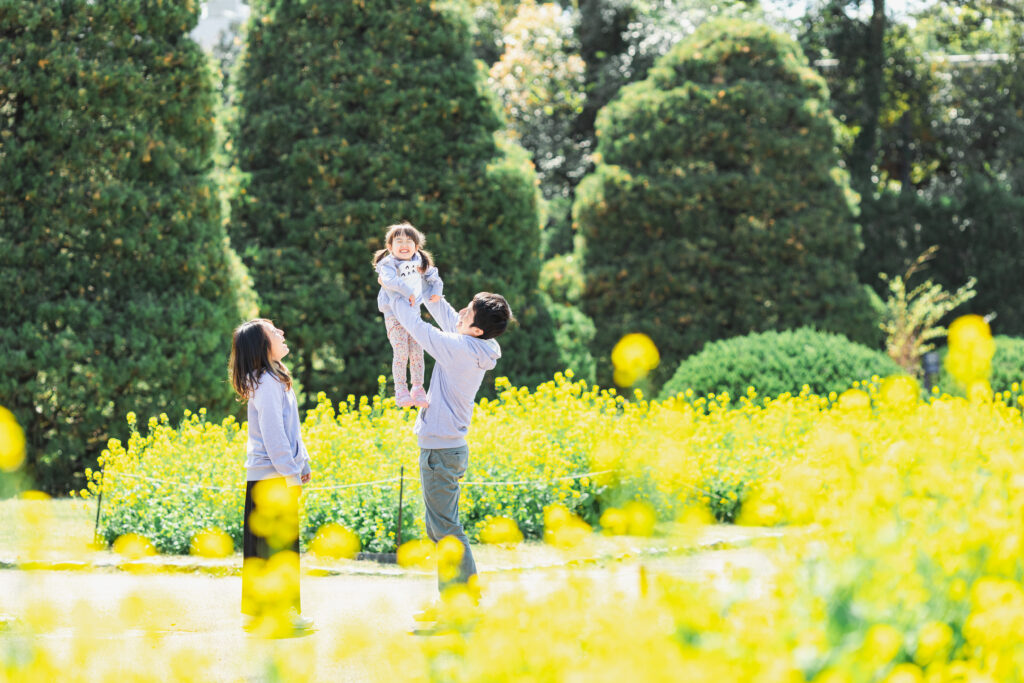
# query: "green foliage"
[561,278]
[355,116]
[912,317]
[718,206]
[120,287]
[1007,368]
[490,17]
[573,332]
[539,81]
[944,169]
[778,362]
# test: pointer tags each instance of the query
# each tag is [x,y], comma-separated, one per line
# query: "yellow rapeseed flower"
[12,442]
[633,357]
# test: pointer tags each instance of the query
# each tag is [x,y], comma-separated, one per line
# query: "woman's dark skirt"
[270,583]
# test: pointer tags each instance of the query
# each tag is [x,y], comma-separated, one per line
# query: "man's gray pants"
[440,471]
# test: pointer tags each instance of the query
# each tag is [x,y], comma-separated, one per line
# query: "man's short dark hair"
[491,314]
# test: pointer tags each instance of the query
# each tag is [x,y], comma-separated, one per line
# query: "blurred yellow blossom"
[634,356]
[12,442]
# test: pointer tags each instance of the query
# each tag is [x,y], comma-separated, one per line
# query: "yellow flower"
[334,540]
[133,546]
[971,348]
[211,543]
[12,442]
[501,530]
[634,356]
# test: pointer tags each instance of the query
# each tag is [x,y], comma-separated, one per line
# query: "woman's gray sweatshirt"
[275,447]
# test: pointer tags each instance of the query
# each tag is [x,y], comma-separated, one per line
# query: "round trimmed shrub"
[778,362]
[718,205]
[1007,367]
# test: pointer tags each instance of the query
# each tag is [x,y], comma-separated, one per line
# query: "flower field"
[905,562]
[588,451]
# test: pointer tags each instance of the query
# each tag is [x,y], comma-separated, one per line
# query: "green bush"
[777,362]
[561,278]
[120,289]
[573,333]
[718,205]
[1007,367]
[354,116]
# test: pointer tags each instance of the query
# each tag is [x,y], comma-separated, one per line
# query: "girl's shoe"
[402,398]
[419,397]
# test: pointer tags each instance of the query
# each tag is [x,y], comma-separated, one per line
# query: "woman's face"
[278,349]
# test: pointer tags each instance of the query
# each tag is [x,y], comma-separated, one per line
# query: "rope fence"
[360,484]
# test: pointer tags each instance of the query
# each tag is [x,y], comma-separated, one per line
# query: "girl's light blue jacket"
[404,278]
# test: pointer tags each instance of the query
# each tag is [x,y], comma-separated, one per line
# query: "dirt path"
[198,612]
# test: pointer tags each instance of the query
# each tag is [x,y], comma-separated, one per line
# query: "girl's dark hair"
[406,229]
[250,358]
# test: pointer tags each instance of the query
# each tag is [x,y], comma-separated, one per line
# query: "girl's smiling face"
[403,247]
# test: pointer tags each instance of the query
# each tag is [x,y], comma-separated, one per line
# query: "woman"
[277,465]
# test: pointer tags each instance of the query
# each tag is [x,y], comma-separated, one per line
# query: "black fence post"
[401,488]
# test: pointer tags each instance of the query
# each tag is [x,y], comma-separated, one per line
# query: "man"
[463,350]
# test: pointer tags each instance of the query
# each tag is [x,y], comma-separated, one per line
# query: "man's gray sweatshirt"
[460,363]
[275,447]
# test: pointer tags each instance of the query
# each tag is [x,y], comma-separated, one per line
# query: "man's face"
[465,324]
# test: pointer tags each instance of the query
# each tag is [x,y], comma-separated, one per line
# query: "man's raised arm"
[441,345]
[446,316]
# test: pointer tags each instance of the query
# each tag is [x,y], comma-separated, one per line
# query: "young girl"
[277,465]
[407,268]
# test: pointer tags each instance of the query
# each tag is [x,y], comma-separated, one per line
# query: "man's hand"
[412,299]
[306,477]
[435,298]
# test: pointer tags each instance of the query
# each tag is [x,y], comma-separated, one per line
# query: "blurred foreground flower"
[634,519]
[900,392]
[501,530]
[12,442]
[418,554]
[134,546]
[564,529]
[211,543]
[854,400]
[633,357]
[335,541]
[970,350]
[276,513]
[449,556]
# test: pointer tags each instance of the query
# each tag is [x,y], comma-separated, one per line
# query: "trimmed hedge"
[120,288]
[778,362]
[718,205]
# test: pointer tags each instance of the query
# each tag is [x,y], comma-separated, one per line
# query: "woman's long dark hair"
[250,358]
[406,229]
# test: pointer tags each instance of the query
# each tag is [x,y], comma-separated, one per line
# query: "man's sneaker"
[419,397]
[402,397]
[301,623]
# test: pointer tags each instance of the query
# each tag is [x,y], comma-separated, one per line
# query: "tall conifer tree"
[120,288]
[357,115]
